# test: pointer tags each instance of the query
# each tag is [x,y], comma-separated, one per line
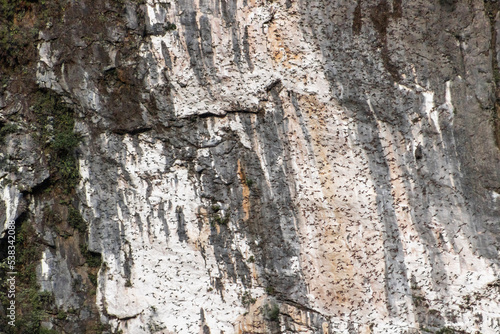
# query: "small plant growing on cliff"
[221,220]
[446,330]
[93,259]
[270,290]
[75,219]
[247,299]
[271,312]
[62,315]
[249,182]
[216,217]
[170,26]
[56,121]
[418,300]
[65,142]
[93,279]
[5,130]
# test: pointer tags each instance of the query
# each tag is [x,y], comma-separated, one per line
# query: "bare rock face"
[279,166]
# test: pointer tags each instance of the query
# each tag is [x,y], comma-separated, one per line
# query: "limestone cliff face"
[274,166]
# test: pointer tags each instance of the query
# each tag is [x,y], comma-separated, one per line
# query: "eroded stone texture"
[335,159]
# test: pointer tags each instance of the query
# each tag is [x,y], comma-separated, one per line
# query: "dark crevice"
[181,225]
[111,317]
[209,114]
[132,131]
[301,307]
[275,84]
[227,112]
[242,111]
[39,188]
[246,49]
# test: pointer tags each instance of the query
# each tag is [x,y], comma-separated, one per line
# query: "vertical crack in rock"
[181,225]
[163,218]
[246,49]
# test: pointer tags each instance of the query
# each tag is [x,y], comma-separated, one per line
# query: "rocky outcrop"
[272,166]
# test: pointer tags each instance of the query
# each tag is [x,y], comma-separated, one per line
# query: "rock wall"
[276,166]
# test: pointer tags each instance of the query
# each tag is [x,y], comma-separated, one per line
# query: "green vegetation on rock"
[56,121]
[5,130]
[271,311]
